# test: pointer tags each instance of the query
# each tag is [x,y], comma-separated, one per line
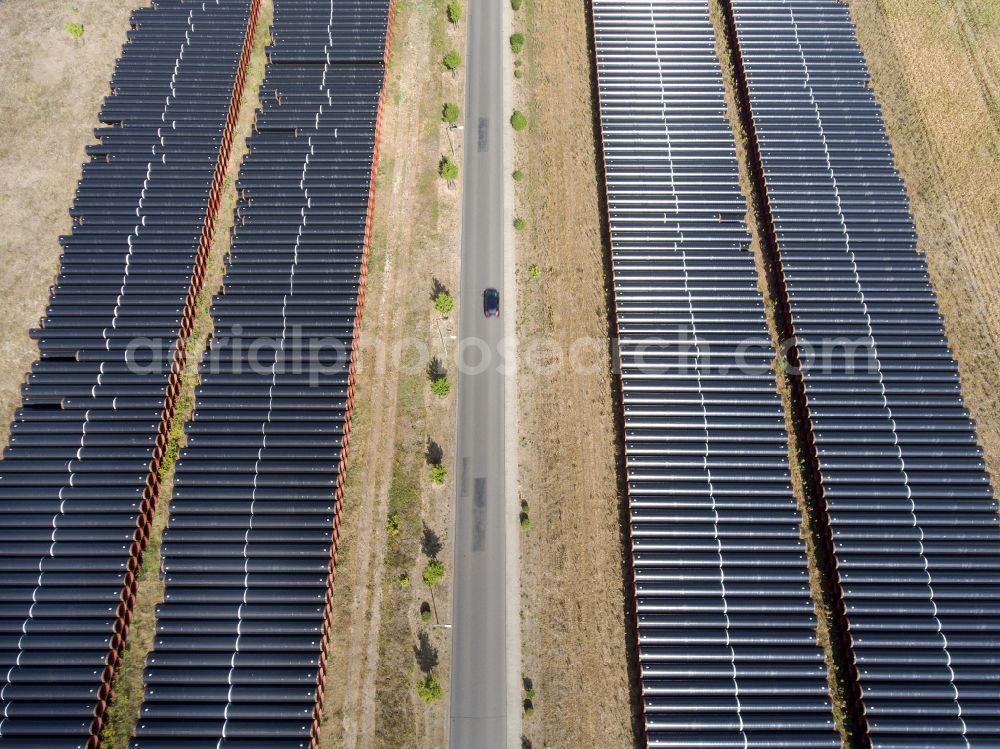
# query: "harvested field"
[576,645]
[936,72]
[52,91]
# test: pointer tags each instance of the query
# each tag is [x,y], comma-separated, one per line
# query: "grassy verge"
[381,639]
[128,685]
[395,720]
[407,646]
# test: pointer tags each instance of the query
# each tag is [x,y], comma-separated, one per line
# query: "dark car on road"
[491,303]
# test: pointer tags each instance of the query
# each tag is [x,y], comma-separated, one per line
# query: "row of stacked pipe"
[79,480]
[911,518]
[249,553]
[249,556]
[725,625]
[907,538]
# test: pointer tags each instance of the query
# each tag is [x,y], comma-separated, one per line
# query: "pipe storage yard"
[250,549]
[79,480]
[903,499]
[913,519]
[725,623]
[896,492]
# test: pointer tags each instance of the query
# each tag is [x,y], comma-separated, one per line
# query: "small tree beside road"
[452,60]
[438,473]
[433,572]
[450,113]
[429,690]
[444,303]
[448,169]
[441,386]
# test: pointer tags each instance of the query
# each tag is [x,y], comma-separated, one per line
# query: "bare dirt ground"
[53,86]
[381,646]
[575,645]
[936,72]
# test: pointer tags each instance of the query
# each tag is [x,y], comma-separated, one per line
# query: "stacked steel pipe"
[911,514]
[250,551]
[79,481]
[725,622]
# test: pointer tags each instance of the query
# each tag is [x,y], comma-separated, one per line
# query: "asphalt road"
[478,689]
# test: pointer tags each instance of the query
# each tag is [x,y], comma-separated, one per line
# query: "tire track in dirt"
[984,67]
